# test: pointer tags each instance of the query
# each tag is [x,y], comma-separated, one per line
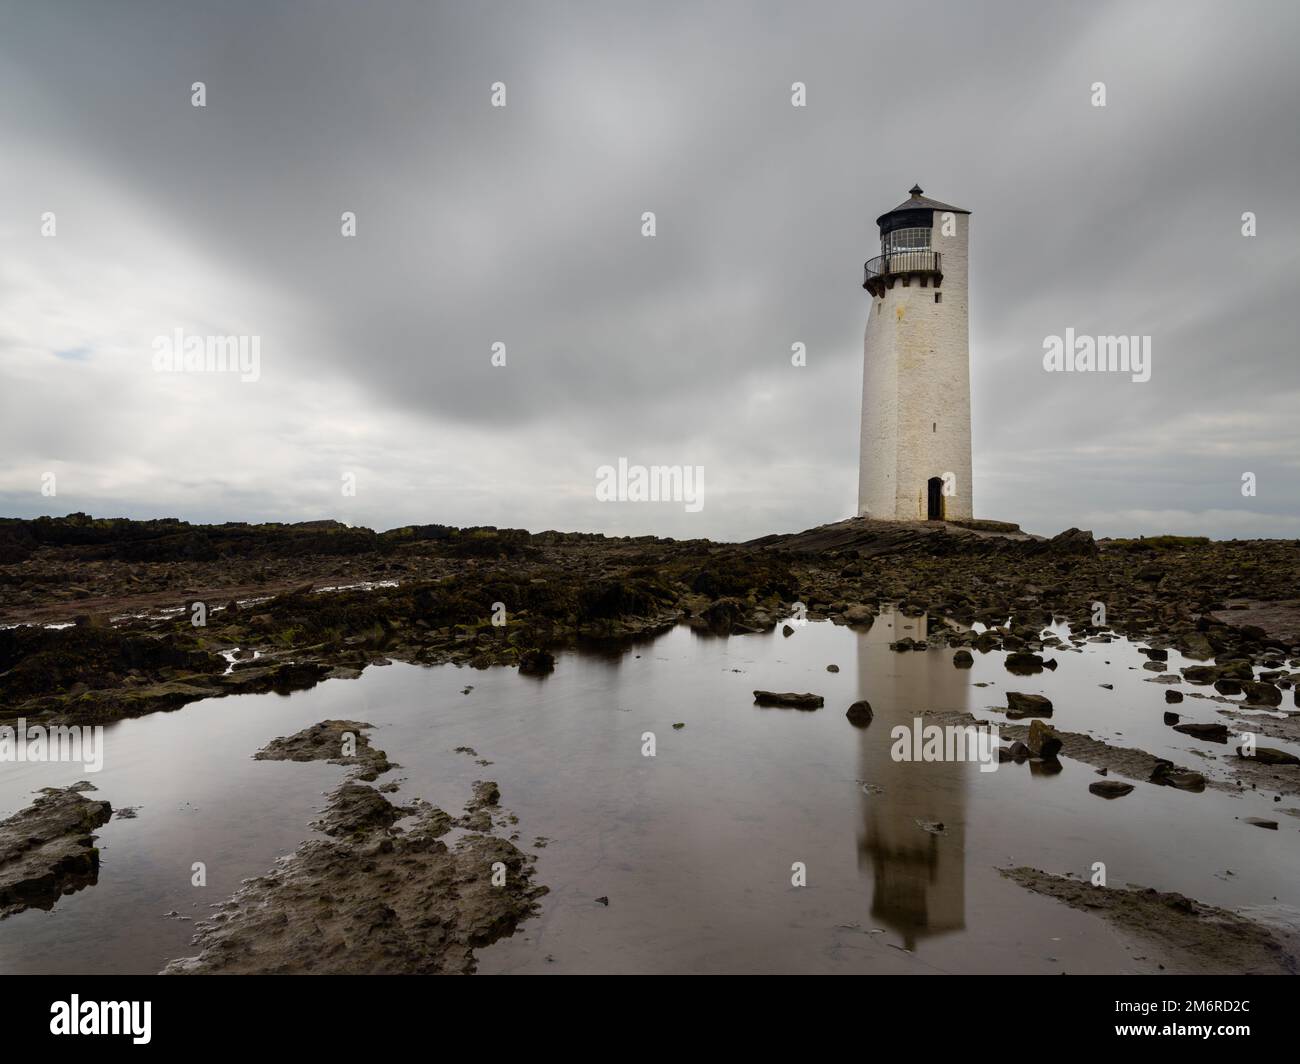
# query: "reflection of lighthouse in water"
[918,874]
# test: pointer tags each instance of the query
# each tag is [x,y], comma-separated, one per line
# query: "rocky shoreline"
[337,600]
[286,607]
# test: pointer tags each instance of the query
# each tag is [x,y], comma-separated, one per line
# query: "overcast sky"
[523,225]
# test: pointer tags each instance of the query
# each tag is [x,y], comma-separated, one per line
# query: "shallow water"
[693,847]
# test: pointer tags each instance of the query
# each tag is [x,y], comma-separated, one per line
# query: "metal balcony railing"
[900,264]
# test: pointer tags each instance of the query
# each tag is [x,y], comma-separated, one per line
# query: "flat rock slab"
[48,850]
[340,742]
[1195,938]
[1215,733]
[788,699]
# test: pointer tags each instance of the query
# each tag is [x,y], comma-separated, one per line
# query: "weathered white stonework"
[916,386]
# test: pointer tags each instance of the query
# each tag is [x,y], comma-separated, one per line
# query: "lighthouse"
[915,458]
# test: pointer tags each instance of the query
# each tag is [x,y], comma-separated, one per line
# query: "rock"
[1043,742]
[47,850]
[1215,733]
[1269,756]
[329,741]
[1261,694]
[1110,788]
[1228,686]
[1191,936]
[536,662]
[723,615]
[1195,645]
[963,659]
[1023,662]
[788,699]
[859,714]
[371,898]
[1173,697]
[787,631]
[1166,775]
[679,727]
[1020,705]
[1072,541]
[1172,718]
[1259,822]
[832,668]
[1154,654]
[860,615]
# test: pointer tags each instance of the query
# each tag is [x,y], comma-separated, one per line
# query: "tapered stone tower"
[915,458]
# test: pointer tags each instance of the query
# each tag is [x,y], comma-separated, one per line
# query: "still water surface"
[694,846]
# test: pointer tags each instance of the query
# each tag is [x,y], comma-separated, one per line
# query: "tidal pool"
[693,847]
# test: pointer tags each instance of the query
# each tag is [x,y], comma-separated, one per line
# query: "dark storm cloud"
[523,225]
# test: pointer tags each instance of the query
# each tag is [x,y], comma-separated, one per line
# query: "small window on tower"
[938,297]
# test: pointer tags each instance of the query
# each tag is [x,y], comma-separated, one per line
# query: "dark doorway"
[935,510]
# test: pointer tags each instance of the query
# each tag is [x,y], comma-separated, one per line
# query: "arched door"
[934,511]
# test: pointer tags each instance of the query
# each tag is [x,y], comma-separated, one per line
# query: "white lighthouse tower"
[915,459]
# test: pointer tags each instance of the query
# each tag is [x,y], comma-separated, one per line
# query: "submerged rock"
[1110,788]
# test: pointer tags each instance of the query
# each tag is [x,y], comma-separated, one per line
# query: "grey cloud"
[522,225]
